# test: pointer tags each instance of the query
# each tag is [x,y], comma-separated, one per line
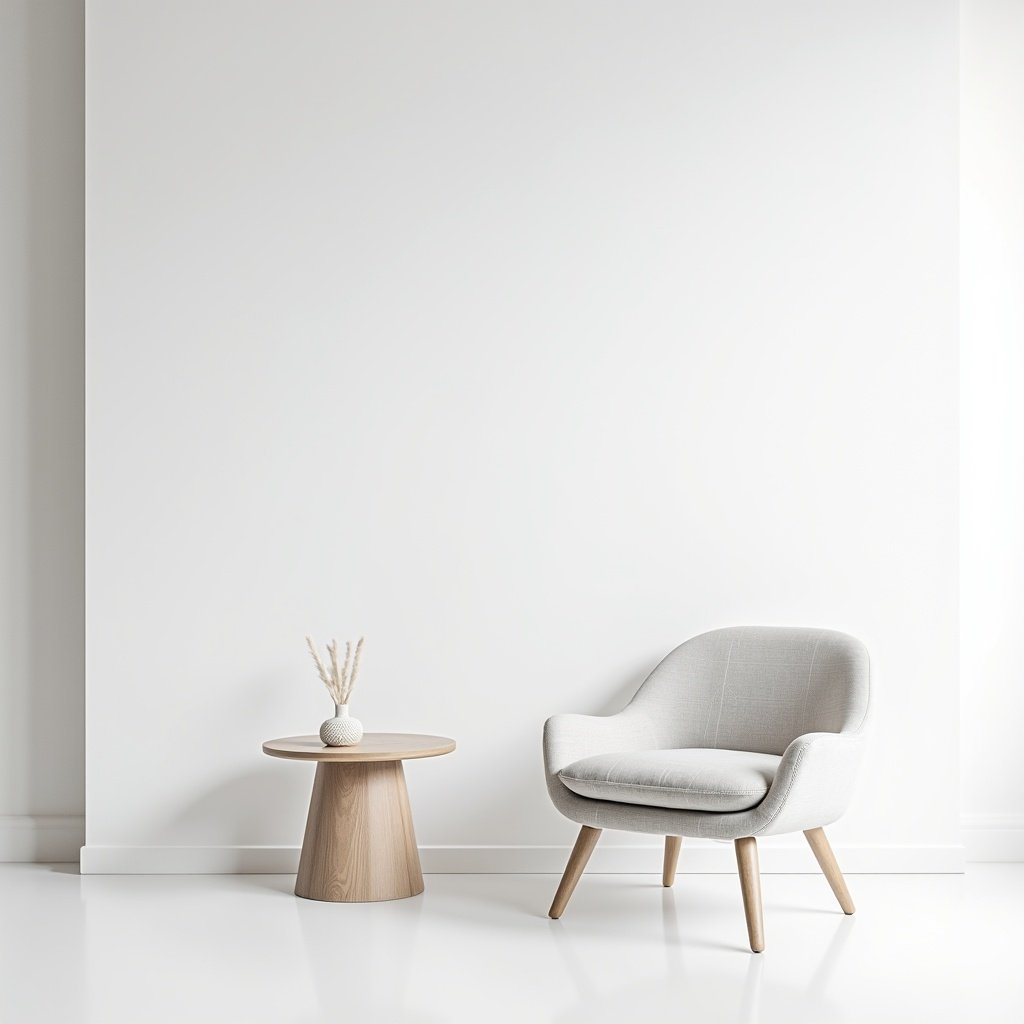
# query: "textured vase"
[342,730]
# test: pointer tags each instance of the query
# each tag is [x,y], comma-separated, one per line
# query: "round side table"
[359,844]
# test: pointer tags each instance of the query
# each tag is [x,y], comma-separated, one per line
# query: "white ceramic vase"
[342,730]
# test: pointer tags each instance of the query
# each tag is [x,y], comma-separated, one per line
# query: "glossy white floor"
[111,949]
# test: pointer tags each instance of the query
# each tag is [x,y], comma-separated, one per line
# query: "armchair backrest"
[756,688]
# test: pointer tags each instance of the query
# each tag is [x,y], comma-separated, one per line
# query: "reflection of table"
[359,844]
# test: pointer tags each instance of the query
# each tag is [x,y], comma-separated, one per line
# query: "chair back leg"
[585,843]
[668,872]
[750,884]
[827,862]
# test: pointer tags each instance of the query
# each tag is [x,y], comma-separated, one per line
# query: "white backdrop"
[992,438]
[528,339]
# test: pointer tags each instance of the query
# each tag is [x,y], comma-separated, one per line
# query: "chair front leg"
[827,862]
[668,872]
[750,884]
[585,843]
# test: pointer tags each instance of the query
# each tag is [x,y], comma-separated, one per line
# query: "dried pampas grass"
[340,679]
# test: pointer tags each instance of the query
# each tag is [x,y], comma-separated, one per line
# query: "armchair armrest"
[814,782]
[567,738]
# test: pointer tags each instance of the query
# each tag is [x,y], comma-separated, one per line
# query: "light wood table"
[359,844]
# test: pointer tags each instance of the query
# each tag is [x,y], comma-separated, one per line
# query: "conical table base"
[360,844]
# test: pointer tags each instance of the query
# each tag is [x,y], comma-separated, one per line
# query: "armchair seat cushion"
[693,779]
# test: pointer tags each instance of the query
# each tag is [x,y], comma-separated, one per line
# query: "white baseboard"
[49,838]
[59,838]
[699,857]
[993,837]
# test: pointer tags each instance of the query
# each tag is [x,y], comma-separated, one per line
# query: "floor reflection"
[707,983]
[361,962]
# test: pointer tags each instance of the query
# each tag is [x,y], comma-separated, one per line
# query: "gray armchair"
[738,733]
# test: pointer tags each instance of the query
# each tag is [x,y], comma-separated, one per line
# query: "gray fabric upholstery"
[692,780]
[799,694]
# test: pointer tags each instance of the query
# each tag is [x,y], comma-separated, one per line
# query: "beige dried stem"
[340,680]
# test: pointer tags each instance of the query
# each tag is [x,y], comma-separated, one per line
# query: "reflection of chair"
[738,733]
[699,985]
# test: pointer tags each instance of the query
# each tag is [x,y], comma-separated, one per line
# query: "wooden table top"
[374,746]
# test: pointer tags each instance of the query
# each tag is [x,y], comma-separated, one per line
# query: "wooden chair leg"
[827,862]
[585,843]
[750,884]
[668,872]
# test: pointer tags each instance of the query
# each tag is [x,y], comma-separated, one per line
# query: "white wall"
[42,754]
[529,339]
[992,366]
